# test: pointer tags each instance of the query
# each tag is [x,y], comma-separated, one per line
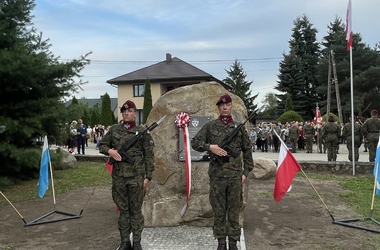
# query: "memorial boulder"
[166,193]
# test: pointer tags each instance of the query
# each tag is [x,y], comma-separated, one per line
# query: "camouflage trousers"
[373,139]
[128,195]
[332,147]
[294,143]
[355,152]
[226,202]
[309,143]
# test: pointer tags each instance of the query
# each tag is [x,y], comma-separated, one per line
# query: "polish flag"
[287,168]
[349,26]
[317,117]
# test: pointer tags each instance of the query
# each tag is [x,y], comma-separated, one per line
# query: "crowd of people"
[79,135]
[327,136]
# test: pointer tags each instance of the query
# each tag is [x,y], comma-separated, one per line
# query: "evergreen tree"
[236,80]
[147,107]
[33,86]
[298,70]
[270,102]
[289,103]
[106,113]
[366,70]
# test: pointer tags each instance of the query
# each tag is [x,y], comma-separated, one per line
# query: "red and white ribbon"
[182,121]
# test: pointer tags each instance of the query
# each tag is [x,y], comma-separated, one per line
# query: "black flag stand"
[68,216]
[350,222]
[38,221]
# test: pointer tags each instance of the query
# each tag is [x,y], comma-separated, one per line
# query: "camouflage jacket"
[309,130]
[214,132]
[331,132]
[294,132]
[347,133]
[141,151]
[371,127]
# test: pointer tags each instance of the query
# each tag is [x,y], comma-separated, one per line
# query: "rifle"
[129,143]
[228,139]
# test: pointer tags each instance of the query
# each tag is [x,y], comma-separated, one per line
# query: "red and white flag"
[287,168]
[317,117]
[349,26]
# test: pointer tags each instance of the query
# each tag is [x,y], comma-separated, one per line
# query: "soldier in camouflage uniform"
[358,138]
[227,179]
[129,180]
[294,134]
[331,134]
[371,128]
[309,135]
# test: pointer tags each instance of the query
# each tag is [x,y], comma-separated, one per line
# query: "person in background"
[371,129]
[253,138]
[331,134]
[228,176]
[72,138]
[81,136]
[358,138]
[294,136]
[129,180]
[88,135]
[309,135]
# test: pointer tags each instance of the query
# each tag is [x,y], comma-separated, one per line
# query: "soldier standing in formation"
[293,136]
[331,134]
[226,179]
[309,135]
[358,138]
[129,180]
[371,128]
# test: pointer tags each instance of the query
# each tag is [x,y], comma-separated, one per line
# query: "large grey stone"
[264,168]
[166,194]
[68,161]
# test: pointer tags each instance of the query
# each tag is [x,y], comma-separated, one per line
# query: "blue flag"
[43,182]
[376,169]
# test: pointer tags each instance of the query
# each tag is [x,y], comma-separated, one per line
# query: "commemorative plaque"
[195,124]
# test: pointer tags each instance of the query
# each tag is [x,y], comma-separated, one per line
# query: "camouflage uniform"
[293,136]
[128,179]
[371,128]
[309,135]
[226,179]
[358,138]
[330,136]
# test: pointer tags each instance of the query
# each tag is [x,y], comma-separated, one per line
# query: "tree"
[106,113]
[288,103]
[270,102]
[236,80]
[366,70]
[147,106]
[298,70]
[33,86]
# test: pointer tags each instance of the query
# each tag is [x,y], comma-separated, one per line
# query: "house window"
[139,117]
[138,90]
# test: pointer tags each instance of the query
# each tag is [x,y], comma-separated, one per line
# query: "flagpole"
[374,188]
[52,182]
[307,178]
[352,114]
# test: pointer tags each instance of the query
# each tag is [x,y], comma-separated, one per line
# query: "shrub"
[290,116]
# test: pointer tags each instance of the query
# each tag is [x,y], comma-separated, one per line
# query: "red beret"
[127,105]
[374,111]
[224,99]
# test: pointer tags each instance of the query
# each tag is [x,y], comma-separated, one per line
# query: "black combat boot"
[232,244]
[125,246]
[222,244]
[137,246]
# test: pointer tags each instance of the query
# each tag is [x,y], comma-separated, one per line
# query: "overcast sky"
[127,35]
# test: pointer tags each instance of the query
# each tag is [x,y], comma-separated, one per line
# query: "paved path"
[201,238]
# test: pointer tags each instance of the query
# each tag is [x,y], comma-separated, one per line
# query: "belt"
[373,131]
